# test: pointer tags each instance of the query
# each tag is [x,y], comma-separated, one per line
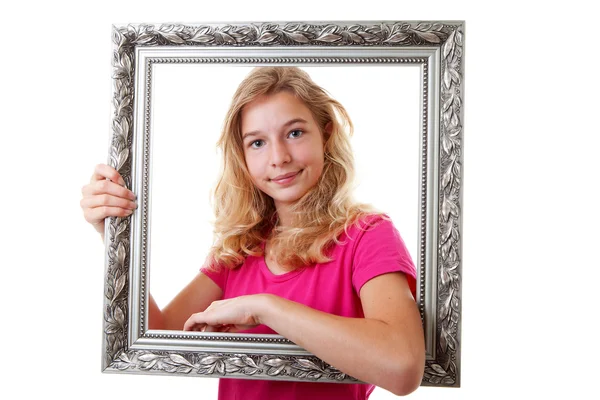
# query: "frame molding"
[437,46]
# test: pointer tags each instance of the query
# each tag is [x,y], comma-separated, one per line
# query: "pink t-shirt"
[332,287]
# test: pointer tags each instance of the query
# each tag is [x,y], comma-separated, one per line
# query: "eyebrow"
[290,122]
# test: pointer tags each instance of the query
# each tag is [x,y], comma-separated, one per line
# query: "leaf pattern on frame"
[443,370]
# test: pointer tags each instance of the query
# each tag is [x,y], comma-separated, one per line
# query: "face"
[283,147]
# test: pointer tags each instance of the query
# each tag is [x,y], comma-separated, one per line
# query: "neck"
[284,216]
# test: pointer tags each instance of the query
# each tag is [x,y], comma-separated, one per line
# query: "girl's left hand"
[231,315]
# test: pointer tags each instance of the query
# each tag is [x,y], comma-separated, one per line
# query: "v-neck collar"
[274,277]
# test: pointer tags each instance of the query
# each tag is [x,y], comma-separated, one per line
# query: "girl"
[293,254]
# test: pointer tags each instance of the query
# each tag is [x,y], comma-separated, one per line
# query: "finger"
[107,187]
[98,214]
[103,171]
[240,328]
[195,319]
[216,328]
[211,328]
[195,328]
[108,201]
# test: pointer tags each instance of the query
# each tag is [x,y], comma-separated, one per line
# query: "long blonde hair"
[246,217]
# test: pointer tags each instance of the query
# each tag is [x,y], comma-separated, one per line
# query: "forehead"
[271,111]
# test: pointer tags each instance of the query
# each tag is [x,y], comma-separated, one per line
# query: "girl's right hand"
[106,196]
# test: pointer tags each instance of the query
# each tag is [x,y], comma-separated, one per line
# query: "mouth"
[286,178]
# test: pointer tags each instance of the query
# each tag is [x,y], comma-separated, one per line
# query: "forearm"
[165,319]
[367,349]
[155,317]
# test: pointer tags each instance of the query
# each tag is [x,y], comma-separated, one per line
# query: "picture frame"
[145,53]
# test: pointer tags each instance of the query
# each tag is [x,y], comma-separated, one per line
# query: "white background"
[188,108]
[530,223]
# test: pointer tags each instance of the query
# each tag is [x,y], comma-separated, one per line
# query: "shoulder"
[371,226]
[222,274]
[217,272]
[377,249]
[374,231]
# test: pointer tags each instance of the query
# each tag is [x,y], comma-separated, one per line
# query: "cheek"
[316,159]
[254,169]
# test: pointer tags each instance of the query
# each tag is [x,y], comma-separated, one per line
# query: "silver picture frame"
[436,47]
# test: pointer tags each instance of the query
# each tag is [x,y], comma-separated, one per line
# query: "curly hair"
[246,217]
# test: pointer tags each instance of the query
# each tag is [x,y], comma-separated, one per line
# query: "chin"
[288,198]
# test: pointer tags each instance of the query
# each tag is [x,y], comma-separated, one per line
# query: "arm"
[195,297]
[386,348]
[106,196]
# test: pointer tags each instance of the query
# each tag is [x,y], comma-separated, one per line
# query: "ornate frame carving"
[437,46]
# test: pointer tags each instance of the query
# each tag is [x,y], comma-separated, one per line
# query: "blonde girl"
[293,253]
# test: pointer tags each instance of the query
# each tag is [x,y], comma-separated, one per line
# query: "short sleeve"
[218,275]
[379,250]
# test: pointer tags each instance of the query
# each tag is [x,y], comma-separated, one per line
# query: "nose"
[280,154]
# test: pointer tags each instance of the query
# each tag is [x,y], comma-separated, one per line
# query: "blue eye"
[296,133]
[254,144]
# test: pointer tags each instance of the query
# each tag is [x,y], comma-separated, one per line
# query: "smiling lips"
[286,178]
